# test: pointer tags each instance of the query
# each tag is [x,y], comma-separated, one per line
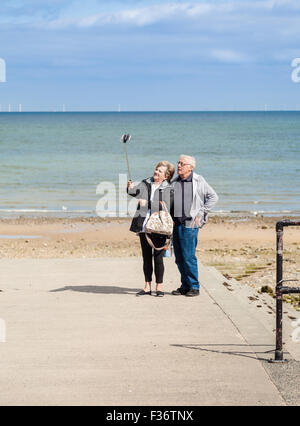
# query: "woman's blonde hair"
[170,169]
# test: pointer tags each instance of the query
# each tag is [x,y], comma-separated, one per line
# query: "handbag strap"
[160,199]
[163,204]
[150,242]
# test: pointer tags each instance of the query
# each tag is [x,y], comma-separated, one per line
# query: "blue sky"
[149,55]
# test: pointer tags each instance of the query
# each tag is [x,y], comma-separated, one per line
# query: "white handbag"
[161,223]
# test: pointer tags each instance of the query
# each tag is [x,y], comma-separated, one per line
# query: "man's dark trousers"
[185,242]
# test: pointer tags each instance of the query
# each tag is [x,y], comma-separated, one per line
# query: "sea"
[74,163]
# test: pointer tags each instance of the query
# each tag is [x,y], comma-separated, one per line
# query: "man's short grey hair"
[191,160]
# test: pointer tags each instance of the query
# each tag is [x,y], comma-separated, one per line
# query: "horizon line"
[143,111]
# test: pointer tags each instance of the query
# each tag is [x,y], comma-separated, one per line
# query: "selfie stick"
[125,139]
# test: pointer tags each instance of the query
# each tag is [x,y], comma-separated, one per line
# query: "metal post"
[279,252]
[280,289]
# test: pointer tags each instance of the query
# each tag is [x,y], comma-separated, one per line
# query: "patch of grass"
[240,277]
[267,289]
[238,271]
[293,299]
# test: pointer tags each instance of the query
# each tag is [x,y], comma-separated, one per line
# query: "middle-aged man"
[193,199]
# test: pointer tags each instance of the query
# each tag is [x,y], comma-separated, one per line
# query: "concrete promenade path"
[76,334]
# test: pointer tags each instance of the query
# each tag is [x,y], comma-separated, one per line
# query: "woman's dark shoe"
[143,293]
[160,293]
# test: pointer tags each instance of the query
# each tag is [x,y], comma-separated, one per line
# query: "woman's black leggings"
[158,241]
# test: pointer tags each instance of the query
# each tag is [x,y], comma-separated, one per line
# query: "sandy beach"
[239,247]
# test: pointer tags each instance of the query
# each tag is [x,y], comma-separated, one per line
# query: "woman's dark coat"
[142,191]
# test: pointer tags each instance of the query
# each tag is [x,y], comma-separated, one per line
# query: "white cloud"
[141,16]
[74,13]
[227,55]
[193,12]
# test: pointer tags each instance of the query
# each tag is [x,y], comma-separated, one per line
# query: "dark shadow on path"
[101,289]
[253,351]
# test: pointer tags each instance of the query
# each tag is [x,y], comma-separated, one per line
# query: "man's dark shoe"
[179,292]
[192,293]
